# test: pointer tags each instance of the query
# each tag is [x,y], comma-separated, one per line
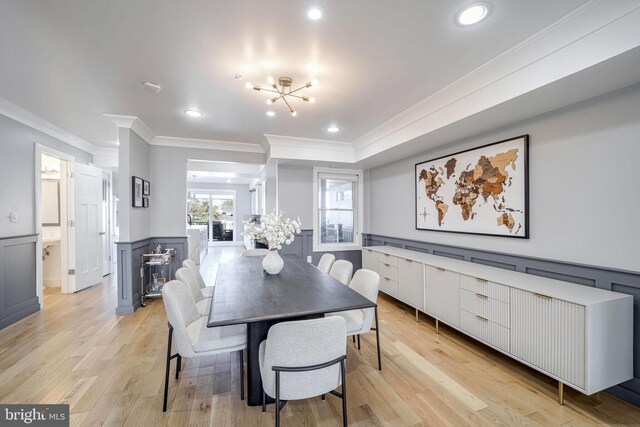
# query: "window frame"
[358,207]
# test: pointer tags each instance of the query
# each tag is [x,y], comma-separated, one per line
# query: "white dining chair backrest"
[188,263]
[187,277]
[341,270]
[366,283]
[255,252]
[303,343]
[326,262]
[181,312]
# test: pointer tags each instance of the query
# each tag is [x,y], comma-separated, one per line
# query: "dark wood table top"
[244,293]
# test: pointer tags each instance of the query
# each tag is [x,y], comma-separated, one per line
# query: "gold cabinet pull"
[481,296]
[484,319]
[439,268]
[387,279]
[386,254]
[387,264]
[543,296]
[481,280]
[408,260]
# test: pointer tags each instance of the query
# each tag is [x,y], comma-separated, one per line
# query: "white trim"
[106,157]
[207,144]
[134,123]
[27,118]
[286,147]
[327,247]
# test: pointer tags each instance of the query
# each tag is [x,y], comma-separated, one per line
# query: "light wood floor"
[110,368]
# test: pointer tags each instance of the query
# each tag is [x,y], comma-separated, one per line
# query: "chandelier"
[283,89]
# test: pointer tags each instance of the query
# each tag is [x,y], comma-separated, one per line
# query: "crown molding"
[106,157]
[36,122]
[134,123]
[593,33]
[207,144]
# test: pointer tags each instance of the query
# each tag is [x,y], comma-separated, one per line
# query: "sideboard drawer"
[485,287]
[489,308]
[388,259]
[485,330]
[387,270]
[389,286]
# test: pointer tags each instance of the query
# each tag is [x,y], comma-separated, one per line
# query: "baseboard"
[19,315]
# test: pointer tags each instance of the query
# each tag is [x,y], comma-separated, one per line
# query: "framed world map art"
[484,190]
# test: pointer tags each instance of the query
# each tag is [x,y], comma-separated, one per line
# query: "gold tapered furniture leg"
[437,326]
[417,316]
[560,393]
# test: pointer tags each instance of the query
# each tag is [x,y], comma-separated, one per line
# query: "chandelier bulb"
[269,101]
[248,85]
[294,113]
[312,100]
[314,82]
[270,80]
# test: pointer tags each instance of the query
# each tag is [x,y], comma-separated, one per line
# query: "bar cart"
[155,263]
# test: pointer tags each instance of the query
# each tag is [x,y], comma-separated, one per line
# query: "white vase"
[272,263]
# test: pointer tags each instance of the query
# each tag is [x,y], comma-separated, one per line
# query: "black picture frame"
[526,225]
[146,188]
[145,202]
[136,191]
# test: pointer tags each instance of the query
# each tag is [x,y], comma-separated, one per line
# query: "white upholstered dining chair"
[303,359]
[326,262]
[207,291]
[367,284]
[341,270]
[192,337]
[187,277]
[255,252]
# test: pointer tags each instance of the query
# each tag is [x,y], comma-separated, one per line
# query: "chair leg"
[323,397]
[277,399]
[179,367]
[241,374]
[354,338]
[264,402]
[344,394]
[358,342]
[166,375]
[378,340]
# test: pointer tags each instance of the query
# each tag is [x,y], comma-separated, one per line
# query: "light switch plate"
[13,216]
[309,259]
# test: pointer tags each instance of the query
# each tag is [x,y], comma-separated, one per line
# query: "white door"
[105,231]
[88,226]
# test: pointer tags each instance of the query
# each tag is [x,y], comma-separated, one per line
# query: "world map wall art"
[484,190]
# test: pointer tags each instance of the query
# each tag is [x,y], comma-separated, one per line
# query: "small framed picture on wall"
[136,192]
[145,202]
[146,187]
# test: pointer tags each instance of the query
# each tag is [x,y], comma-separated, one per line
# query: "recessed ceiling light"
[228,181]
[193,113]
[314,13]
[333,129]
[271,113]
[473,14]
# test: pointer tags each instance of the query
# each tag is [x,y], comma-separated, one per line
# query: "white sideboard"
[198,244]
[579,335]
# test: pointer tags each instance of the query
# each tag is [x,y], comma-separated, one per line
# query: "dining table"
[245,294]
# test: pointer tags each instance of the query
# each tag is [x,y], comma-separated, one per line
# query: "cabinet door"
[442,294]
[369,259]
[549,333]
[411,282]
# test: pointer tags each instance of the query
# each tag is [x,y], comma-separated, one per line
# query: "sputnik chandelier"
[283,90]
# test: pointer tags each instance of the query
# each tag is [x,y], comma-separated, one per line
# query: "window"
[337,209]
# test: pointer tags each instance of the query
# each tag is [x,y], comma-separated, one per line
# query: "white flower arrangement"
[277,231]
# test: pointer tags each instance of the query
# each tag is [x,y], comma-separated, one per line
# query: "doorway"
[215,209]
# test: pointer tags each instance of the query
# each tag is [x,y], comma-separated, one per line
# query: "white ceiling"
[70,61]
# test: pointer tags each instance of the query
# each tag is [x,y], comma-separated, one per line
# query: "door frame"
[66,195]
[109,221]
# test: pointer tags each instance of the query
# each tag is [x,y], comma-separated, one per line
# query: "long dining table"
[245,293]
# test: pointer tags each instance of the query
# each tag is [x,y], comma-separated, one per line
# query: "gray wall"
[133,161]
[169,179]
[243,203]
[18,294]
[295,193]
[583,203]
[17,174]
